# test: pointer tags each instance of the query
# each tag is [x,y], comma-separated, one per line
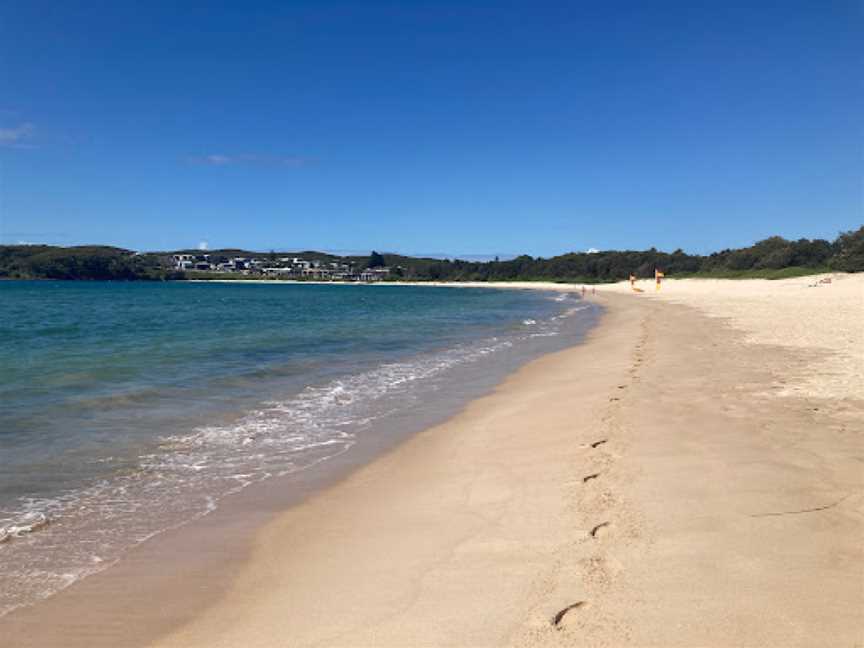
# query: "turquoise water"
[130,408]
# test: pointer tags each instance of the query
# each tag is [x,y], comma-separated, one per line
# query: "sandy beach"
[679,480]
[691,475]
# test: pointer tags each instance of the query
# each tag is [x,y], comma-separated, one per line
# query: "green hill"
[773,257]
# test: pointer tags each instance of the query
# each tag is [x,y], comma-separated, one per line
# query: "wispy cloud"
[221,159]
[34,238]
[18,136]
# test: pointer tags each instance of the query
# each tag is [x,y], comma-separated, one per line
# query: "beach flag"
[658,275]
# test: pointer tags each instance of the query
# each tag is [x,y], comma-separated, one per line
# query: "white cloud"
[592,251]
[216,159]
[221,159]
[14,137]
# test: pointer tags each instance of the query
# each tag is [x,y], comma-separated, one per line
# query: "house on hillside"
[191,262]
[183,261]
[374,274]
[278,272]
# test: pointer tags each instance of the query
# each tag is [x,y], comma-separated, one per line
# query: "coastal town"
[288,267]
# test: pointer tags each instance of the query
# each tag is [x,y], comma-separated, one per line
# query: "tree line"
[773,257]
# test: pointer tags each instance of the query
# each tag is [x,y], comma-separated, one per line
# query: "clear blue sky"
[456,127]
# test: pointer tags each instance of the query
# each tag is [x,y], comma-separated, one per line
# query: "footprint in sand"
[558,619]
[600,530]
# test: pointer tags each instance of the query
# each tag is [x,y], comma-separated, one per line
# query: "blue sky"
[447,127]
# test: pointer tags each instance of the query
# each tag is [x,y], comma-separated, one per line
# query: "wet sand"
[675,481]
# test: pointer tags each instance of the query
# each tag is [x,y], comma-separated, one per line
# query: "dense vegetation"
[81,262]
[773,257]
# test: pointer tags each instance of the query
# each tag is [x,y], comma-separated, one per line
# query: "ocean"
[127,409]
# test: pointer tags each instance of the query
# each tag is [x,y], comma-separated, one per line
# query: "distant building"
[374,274]
[191,262]
[278,272]
[282,267]
[182,261]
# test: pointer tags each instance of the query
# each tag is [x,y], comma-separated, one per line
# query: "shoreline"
[174,549]
[420,453]
[657,484]
[500,285]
